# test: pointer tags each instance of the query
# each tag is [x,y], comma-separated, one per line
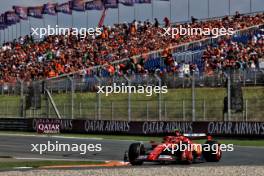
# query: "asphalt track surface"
[19,147]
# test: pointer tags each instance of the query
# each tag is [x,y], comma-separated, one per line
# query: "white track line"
[54,159]
[253,147]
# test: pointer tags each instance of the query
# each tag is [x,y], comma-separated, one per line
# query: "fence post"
[229,97]
[80,109]
[46,100]
[147,111]
[64,110]
[246,110]
[160,97]
[183,110]
[98,96]
[22,107]
[129,99]
[193,97]
[95,111]
[204,110]
[49,111]
[165,111]
[112,110]
[72,96]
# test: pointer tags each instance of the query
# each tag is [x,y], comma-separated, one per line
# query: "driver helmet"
[177,132]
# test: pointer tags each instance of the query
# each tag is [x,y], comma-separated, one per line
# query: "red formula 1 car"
[174,149]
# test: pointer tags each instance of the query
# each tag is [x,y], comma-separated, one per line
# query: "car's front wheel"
[135,150]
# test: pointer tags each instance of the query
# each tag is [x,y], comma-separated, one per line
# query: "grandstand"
[28,60]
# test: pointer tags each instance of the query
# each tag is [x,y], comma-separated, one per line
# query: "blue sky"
[198,8]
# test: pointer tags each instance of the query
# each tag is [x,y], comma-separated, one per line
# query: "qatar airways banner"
[46,126]
[224,129]
[241,129]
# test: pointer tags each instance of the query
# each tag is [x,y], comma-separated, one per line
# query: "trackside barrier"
[223,129]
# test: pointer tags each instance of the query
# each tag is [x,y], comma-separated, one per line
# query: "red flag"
[101,22]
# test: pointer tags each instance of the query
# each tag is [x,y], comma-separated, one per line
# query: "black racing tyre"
[134,151]
[214,154]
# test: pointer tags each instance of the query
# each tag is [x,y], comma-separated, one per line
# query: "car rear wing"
[197,136]
[194,134]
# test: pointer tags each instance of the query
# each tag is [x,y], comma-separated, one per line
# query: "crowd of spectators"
[55,55]
[234,55]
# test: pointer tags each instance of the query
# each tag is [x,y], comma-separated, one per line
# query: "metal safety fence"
[197,98]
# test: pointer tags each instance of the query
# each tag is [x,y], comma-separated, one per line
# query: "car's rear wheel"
[134,151]
[214,154]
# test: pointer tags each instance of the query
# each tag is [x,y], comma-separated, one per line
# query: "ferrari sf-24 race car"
[175,149]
